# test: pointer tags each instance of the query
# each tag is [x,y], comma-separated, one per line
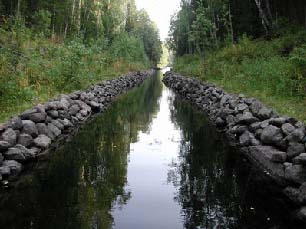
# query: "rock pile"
[276,144]
[24,138]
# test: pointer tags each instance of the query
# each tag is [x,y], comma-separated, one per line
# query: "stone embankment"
[274,144]
[27,137]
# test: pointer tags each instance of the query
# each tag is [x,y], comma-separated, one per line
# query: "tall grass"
[273,71]
[33,68]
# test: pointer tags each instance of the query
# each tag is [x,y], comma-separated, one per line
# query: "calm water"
[150,161]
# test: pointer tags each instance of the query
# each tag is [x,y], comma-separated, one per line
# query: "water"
[150,161]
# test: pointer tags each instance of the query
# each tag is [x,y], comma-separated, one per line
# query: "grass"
[34,69]
[271,71]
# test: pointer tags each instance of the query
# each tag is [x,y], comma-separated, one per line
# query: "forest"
[49,47]
[254,47]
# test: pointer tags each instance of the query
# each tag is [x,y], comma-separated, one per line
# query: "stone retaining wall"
[27,137]
[273,143]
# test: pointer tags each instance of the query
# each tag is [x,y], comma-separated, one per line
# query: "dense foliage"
[255,47]
[53,46]
[203,25]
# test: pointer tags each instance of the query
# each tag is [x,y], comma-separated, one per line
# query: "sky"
[160,12]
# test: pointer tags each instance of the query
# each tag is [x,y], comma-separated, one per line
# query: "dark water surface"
[150,161]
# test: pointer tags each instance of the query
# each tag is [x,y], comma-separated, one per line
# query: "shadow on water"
[88,182]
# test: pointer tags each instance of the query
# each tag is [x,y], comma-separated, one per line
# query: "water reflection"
[77,188]
[203,173]
[151,161]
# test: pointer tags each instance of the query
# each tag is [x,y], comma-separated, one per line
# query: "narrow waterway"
[152,161]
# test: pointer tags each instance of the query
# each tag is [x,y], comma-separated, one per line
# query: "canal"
[151,161]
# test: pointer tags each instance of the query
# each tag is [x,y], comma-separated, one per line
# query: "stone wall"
[27,137]
[273,143]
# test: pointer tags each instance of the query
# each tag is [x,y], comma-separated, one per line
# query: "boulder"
[54,130]
[255,107]
[53,113]
[10,136]
[74,109]
[4,145]
[295,149]
[247,118]
[1,158]
[43,129]
[26,114]
[26,152]
[14,153]
[245,139]
[271,135]
[241,107]
[38,117]
[220,122]
[25,139]
[277,121]
[58,124]
[295,173]
[264,113]
[29,127]
[42,141]
[13,167]
[287,128]
[300,160]
[15,123]
[297,135]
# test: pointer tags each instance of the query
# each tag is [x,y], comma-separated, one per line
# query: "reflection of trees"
[206,188]
[86,176]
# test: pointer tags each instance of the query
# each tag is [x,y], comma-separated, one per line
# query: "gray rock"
[301,214]
[35,150]
[74,109]
[84,113]
[25,139]
[247,118]
[66,122]
[26,152]
[245,139]
[43,129]
[53,113]
[255,107]
[271,135]
[14,154]
[295,149]
[287,128]
[5,170]
[10,136]
[15,123]
[4,145]
[264,113]
[254,126]
[278,156]
[15,167]
[295,173]
[38,117]
[95,106]
[220,122]
[241,107]
[300,160]
[42,141]
[277,121]
[230,119]
[58,124]
[26,114]
[1,158]
[29,127]
[296,136]
[56,131]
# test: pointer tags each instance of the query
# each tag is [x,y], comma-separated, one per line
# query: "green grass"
[34,69]
[271,71]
